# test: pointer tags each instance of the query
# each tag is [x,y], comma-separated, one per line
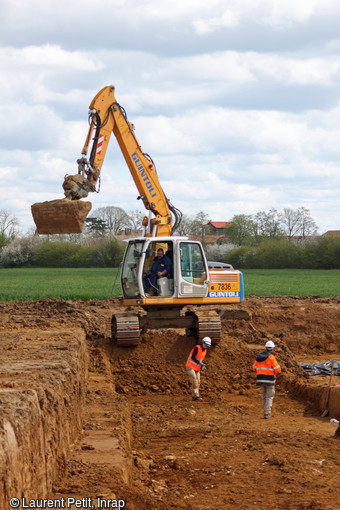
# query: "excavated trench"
[83,422]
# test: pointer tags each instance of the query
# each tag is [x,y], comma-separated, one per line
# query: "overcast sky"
[237,102]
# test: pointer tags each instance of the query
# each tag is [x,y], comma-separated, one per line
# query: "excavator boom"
[106,116]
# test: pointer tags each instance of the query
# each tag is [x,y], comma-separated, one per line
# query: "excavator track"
[125,330]
[207,323]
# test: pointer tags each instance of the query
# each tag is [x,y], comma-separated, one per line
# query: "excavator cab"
[186,275]
[171,304]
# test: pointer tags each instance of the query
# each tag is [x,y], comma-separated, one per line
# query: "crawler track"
[125,330]
[209,324]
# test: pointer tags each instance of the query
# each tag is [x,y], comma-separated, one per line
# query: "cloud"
[228,19]
[238,104]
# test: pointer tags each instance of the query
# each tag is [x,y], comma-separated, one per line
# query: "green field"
[31,283]
[292,282]
[28,284]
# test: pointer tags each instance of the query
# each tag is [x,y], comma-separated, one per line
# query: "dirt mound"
[311,326]
[143,440]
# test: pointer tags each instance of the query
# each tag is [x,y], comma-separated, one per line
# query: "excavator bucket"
[60,216]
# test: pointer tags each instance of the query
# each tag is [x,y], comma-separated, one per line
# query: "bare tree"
[136,219]
[8,224]
[290,222]
[298,223]
[185,227]
[268,224]
[307,226]
[115,218]
[199,226]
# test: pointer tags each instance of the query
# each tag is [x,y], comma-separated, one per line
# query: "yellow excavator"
[187,294]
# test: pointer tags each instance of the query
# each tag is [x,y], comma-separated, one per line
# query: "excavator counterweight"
[60,216]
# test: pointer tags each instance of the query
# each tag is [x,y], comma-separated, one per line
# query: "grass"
[32,283]
[292,282]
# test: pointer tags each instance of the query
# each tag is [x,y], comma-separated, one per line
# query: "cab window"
[130,269]
[192,262]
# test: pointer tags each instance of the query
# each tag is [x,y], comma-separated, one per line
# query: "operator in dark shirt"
[161,266]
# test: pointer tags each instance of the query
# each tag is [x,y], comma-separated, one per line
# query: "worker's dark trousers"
[150,280]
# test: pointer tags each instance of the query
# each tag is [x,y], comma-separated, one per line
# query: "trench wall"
[42,393]
[316,396]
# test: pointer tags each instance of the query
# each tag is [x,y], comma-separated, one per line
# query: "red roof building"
[332,233]
[217,227]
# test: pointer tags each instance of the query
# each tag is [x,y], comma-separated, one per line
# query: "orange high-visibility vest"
[266,370]
[200,356]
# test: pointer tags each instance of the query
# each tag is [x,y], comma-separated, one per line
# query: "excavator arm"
[188,281]
[106,116]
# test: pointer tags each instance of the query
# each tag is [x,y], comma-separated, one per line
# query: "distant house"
[217,227]
[334,233]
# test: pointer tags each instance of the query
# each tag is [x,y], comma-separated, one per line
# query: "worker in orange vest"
[195,364]
[267,367]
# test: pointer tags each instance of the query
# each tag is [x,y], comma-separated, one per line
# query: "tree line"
[273,239]
[317,253]
[277,240]
[289,223]
[111,220]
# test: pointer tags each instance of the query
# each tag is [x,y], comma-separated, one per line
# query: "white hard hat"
[207,341]
[270,345]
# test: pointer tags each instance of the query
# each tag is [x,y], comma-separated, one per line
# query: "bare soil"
[82,418]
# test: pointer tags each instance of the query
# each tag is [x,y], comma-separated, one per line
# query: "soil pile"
[146,442]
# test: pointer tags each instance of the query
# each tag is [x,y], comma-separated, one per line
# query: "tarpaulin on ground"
[323,367]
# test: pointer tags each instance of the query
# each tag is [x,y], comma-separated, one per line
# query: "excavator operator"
[161,267]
